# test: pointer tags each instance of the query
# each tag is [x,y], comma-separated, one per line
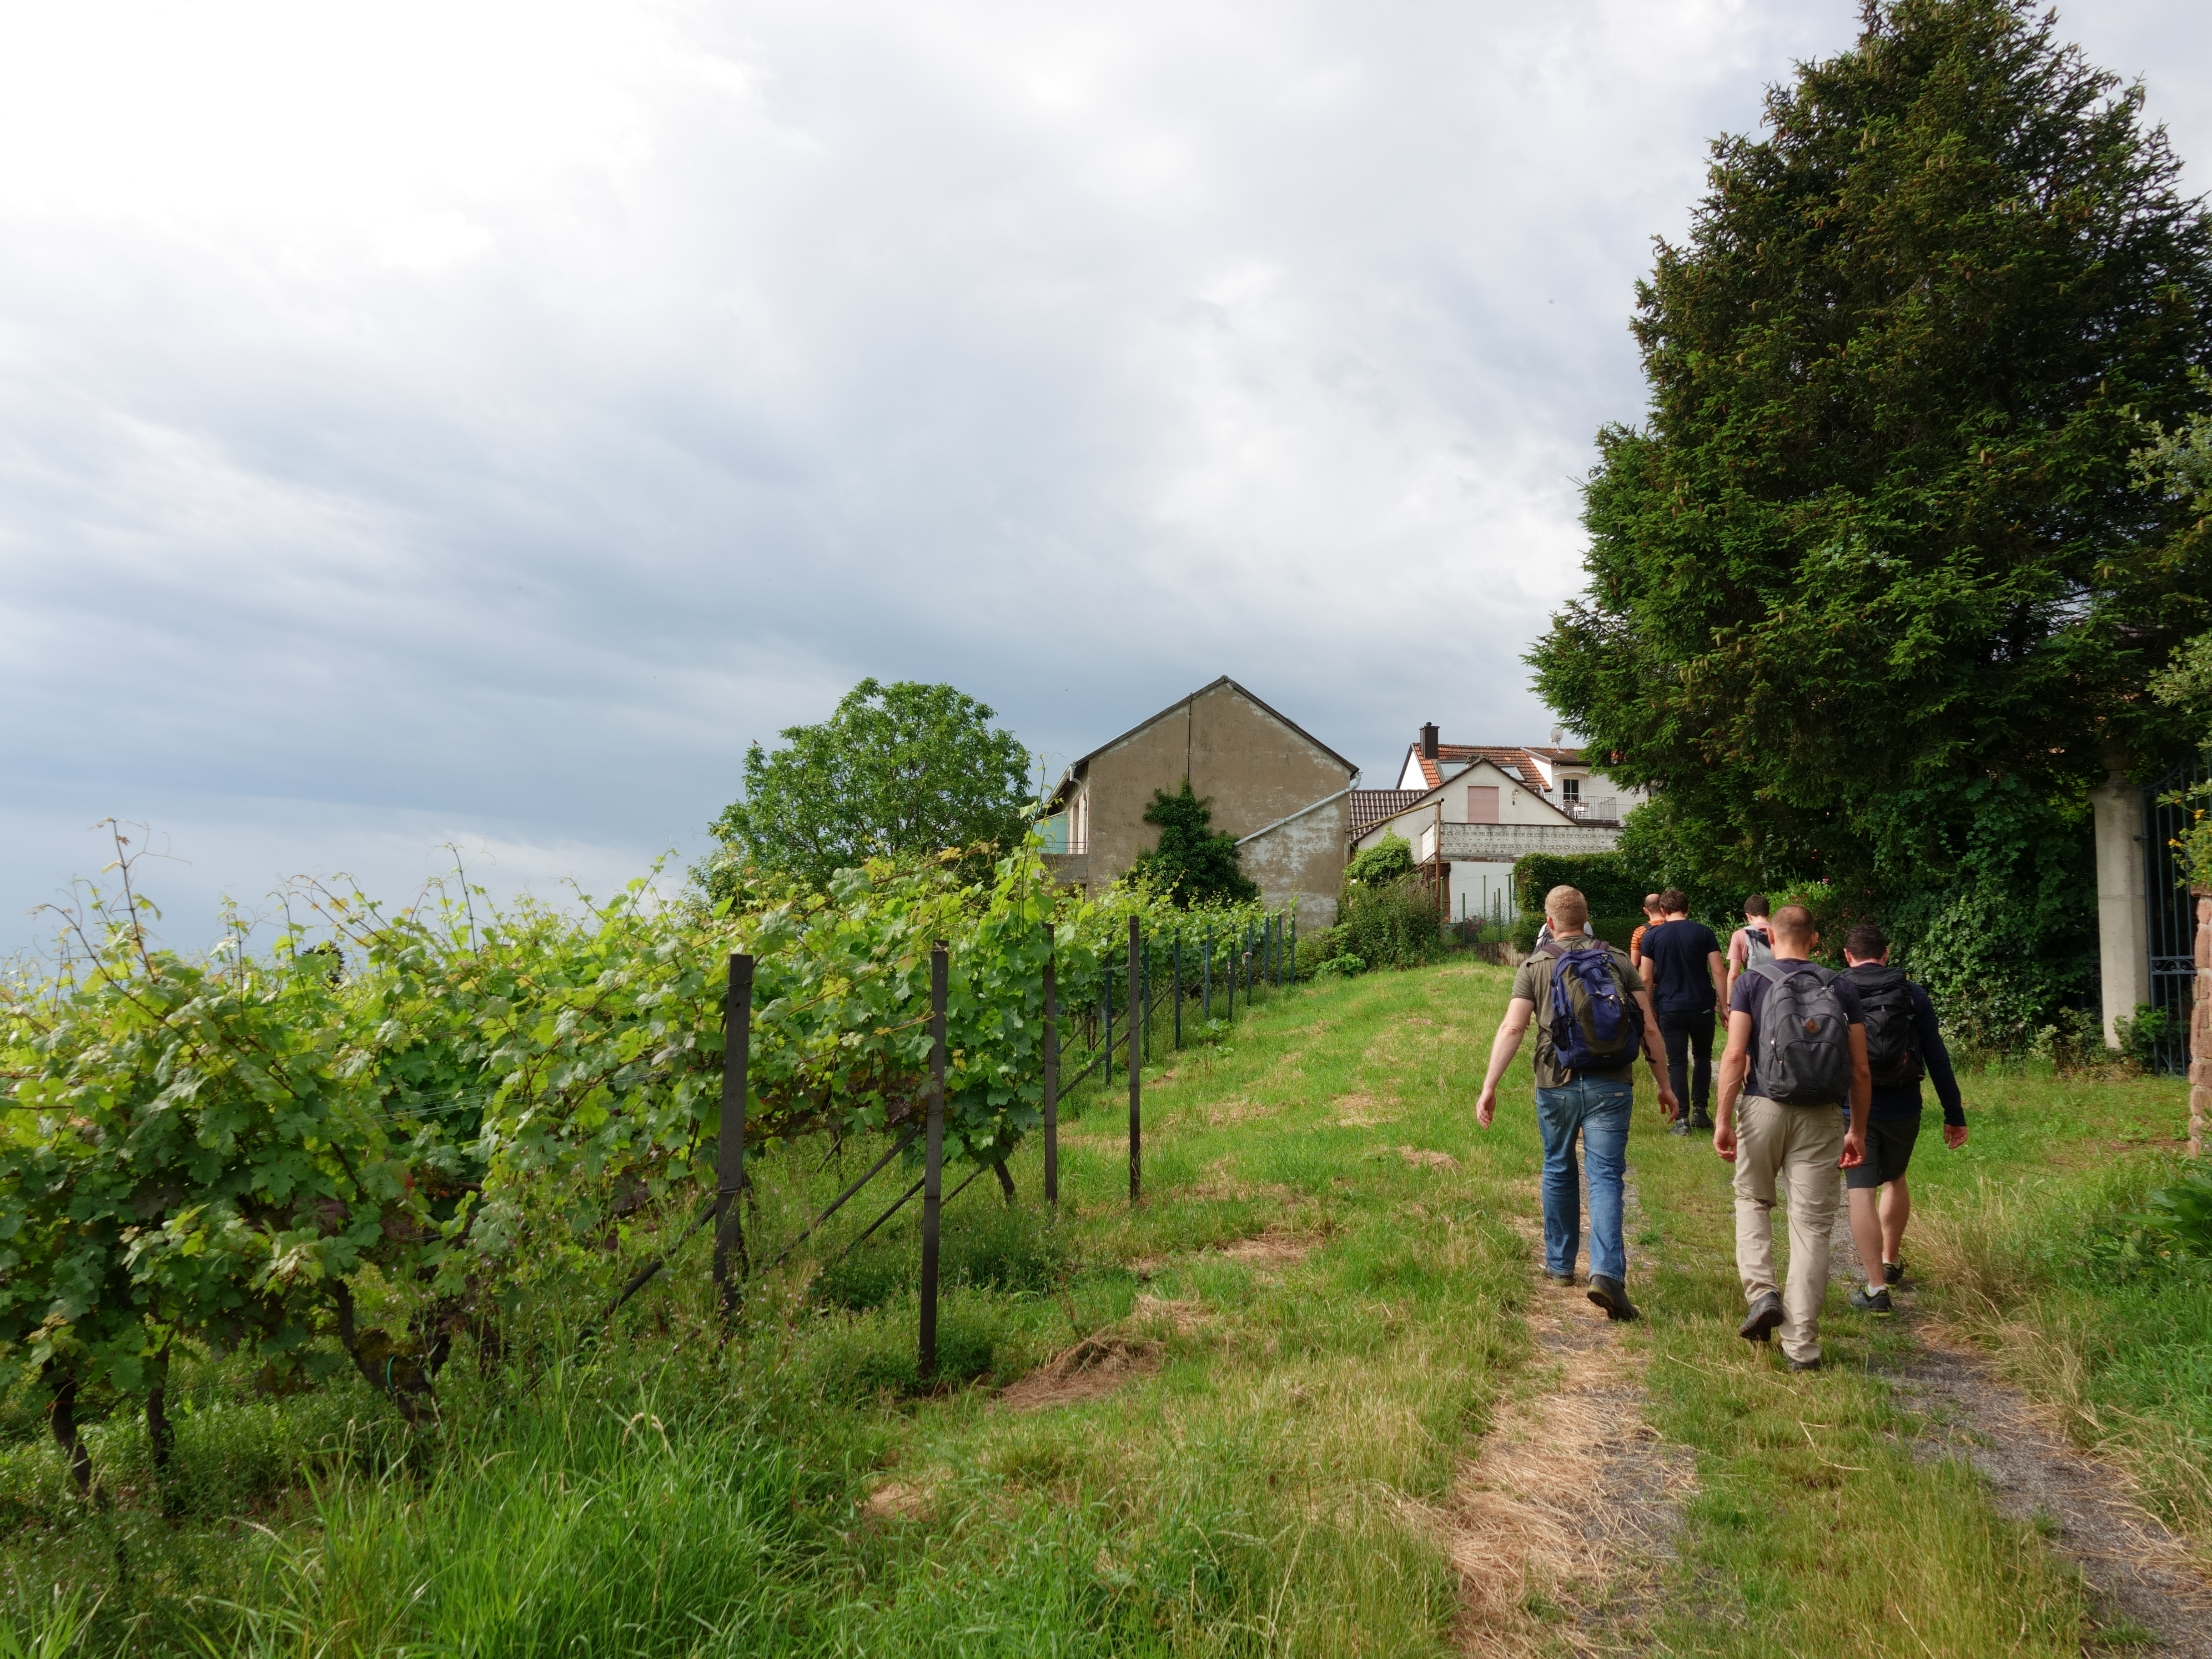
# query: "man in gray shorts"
[1903,1041]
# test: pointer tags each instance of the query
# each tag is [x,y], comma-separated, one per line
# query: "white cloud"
[421,421]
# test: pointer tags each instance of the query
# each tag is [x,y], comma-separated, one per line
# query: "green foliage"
[2140,1034]
[233,1154]
[1609,881]
[898,770]
[1192,865]
[1884,536]
[1393,925]
[1390,859]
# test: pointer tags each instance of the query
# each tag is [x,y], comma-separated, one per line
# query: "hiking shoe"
[1804,1364]
[1610,1295]
[1876,1304]
[1567,1279]
[1765,1314]
[1892,1273]
[1680,1125]
[1702,1121]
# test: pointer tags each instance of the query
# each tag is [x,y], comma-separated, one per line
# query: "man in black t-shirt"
[1686,975]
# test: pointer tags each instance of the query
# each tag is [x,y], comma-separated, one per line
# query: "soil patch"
[1092,1369]
[1361,1112]
[2142,1574]
[1422,1158]
[898,1501]
[1270,1251]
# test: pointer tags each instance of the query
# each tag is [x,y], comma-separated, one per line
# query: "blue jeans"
[1598,1107]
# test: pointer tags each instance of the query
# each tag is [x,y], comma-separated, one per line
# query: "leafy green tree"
[1882,534]
[1192,864]
[902,768]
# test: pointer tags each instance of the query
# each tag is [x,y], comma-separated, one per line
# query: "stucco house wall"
[1266,778]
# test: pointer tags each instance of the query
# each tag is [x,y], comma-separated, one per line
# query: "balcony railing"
[1604,809]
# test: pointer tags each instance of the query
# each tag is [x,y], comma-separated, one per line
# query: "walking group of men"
[1819,1091]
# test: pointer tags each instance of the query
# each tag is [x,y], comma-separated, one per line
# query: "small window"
[1572,788]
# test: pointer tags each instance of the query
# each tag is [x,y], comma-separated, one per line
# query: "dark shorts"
[1888,1150]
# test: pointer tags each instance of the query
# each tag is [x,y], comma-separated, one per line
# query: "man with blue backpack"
[1797,1034]
[1593,1017]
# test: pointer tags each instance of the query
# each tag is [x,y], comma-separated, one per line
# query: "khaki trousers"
[1798,1145]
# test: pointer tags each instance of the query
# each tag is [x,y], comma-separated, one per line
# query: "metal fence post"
[1231,1016]
[1205,980]
[730,1152]
[1136,1072]
[933,1168]
[1051,1084]
[1178,987]
[1294,947]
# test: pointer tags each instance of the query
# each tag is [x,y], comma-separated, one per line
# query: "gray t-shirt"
[1533,982]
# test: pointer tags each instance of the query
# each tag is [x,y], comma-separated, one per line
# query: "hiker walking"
[1595,1017]
[1752,942]
[1902,1042]
[1798,1030]
[1682,965]
[1652,917]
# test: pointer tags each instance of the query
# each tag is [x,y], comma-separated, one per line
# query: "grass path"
[1311,1398]
[1667,1486]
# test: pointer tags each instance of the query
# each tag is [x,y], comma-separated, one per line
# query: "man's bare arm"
[1861,1098]
[1655,1050]
[1735,1062]
[1502,1047]
[1717,965]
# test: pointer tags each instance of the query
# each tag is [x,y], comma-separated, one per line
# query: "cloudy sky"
[472,423]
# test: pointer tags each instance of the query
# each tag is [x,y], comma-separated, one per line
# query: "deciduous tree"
[1881,535]
[899,768]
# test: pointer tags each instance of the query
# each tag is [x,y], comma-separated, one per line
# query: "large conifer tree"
[1879,553]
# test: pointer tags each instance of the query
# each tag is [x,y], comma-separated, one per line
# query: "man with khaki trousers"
[1804,1141]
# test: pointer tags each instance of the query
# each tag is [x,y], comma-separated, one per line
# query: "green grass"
[1271,1487]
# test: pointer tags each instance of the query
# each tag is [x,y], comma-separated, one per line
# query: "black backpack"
[1803,1043]
[1893,1045]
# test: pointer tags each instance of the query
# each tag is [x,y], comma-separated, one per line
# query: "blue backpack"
[1596,1025]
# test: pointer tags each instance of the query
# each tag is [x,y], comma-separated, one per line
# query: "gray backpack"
[1803,1046]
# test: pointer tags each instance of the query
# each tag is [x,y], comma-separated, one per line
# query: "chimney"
[1428,741]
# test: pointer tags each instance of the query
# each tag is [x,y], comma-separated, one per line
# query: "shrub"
[2141,1033]
[1389,926]
[1390,859]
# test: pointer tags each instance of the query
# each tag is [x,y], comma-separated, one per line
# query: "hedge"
[1613,887]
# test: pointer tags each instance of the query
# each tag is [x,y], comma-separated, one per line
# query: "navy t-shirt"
[1675,955]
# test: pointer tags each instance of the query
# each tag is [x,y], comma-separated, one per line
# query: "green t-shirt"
[1533,982]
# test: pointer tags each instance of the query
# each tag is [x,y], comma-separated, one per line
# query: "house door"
[1482,803]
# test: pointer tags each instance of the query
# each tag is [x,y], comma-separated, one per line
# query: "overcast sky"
[475,422]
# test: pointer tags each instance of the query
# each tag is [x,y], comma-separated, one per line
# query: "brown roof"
[1370,806]
[1517,761]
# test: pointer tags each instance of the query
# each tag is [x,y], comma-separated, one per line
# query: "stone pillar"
[2200,1024]
[2122,881]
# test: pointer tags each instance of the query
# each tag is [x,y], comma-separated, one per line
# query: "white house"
[1469,810]
[1563,776]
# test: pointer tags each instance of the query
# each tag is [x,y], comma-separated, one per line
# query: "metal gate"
[2171,913]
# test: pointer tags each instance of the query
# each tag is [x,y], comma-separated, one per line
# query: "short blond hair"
[1565,907]
[1794,922]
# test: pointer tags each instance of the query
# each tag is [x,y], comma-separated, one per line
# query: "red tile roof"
[1370,806]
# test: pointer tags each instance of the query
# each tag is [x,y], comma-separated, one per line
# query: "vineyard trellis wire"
[441,1107]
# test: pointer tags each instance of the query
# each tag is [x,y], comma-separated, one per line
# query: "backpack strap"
[1775,974]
